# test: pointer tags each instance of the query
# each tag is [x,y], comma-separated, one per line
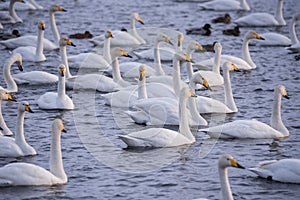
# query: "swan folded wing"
[241,63]
[35,77]
[257,19]
[9,148]
[221,5]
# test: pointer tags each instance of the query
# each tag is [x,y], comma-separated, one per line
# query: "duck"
[254,129]
[31,40]
[57,100]
[124,38]
[285,170]
[85,35]
[101,82]
[205,30]
[10,82]
[14,34]
[234,32]
[6,96]
[162,137]
[27,174]
[34,54]
[226,19]
[263,19]
[225,5]
[17,147]
[295,47]
[11,16]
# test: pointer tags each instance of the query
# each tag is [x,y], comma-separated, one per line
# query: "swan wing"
[257,19]
[9,148]
[241,63]
[209,105]
[122,99]
[35,78]
[220,5]
[272,39]
[89,60]
[131,69]
[213,78]
[48,100]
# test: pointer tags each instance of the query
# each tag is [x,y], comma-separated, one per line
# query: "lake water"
[94,159]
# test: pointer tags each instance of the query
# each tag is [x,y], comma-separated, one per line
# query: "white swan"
[59,99]
[31,40]
[16,147]
[191,48]
[244,63]
[101,82]
[161,137]
[209,105]
[4,96]
[253,128]
[35,78]
[225,5]
[11,16]
[22,174]
[263,19]
[124,38]
[94,60]
[11,84]
[285,170]
[63,42]
[295,48]
[272,39]
[29,5]
[34,54]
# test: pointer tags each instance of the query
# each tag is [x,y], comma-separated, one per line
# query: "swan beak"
[139,19]
[259,37]
[11,97]
[167,40]
[234,163]
[59,8]
[142,75]
[109,34]
[192,94]
[62,72]
[125,54]
[205,84]
[199,47]
[28,109]
[235,68]
[188,59]
[20,66]
[286,96]
[70,43]
[63,130]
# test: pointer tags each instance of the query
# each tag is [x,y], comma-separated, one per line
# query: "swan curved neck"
[11,84]
[40,44]
[19,134]
[142,90]
[279,14]
[12,12]
[276,121]
[293,35]
[225,186]
[56,164]
[176,76]
[2,122]
[246,54]
[184,128]
[63,54]
[106,50]
[244,5]
[134,32]
[217,61]
[61,89]
[157,62]
[54,29]
[229,100]
[116,70]
[189,65]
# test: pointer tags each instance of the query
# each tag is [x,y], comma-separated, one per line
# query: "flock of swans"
[158,98]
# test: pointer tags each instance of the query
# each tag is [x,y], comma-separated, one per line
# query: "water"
[96,164]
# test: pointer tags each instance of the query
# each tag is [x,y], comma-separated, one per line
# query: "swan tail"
[131,142]
[261,172]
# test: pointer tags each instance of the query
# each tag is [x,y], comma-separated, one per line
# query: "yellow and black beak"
[63,130]
[70,43]
[234,163]
[257,36]
[142,75]
[192,93]
[286,96]
[205,84]
[199,47]
[28,109]
[125,54]
[235,68]
[62,72]
[11,97]
[59,8]
[109,34]
[20,67]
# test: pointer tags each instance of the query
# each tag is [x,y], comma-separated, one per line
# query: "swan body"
[34,54]
[272,39]
[10,82]
[25,174]
[253,128]
[59,100]
[285,170]
[225,5]
[16,147]
[29,5]
[35,78]
[263,19]
[124,38]
[161,137]
[130,69]
[4,96]
[11,16]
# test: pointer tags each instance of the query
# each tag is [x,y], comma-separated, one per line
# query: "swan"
[253,128]
[295,48]
[225,5]
[161,137]
[29,5]
[34,54]
[31,40]
[284,170]
[35,78]
[59,99]
[191,48]
[25,174]
[4,96]
[94,60]
[124,38]
[10,82]
[16,147]
[101,82]
[11,16]
[263,19]
[209,105]
[272,39]
[244,63]
[63,43]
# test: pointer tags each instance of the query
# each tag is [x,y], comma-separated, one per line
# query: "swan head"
[63,41]
[182,56]
[227,160]
[186,92]
[24,106]
[197,78]
[194,45]
[163,38]
[217,46]
[281,90]
[61,70]
[229,66]
[41,25]
[109,34]
[138,18]
[6,95]
[142,70]
[253,35]
[18,59]
[117,52]
[58,125]
[55,8]
[179,39]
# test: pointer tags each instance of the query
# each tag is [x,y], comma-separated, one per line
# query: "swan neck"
[142,90]
[54,29]
[157,62]
[244,5]
[184,128]
[229,100]
[276,121]
[293,35]
[19,134]
[56,164]
[246,54]
[11,84]
[61,89]
[176,76]
[217,61]
[189,65]
[106,50]
[225,186]
[116,70]
[40,43]
[279,14]
[12,11]
[63,54]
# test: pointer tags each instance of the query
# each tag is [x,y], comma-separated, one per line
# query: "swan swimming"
[253,128]
[17,147]
[225,5]
[11,16]
[295,48]
[7,97]
[25,174]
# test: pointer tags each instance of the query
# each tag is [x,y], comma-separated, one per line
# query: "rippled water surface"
[94,159]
